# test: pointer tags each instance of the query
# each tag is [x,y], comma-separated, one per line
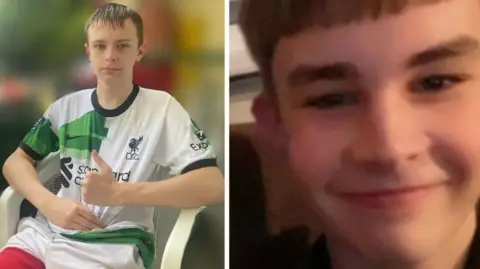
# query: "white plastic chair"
[47,170]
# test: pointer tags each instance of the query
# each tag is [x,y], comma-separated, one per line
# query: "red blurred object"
[157,77]
[152,76]
[15,258]
[13,91]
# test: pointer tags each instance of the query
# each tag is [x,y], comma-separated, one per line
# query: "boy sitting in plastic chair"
[111,141]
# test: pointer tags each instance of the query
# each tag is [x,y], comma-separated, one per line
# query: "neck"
[111,96]
[451,255]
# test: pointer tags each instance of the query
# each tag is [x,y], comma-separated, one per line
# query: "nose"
[111,54]
[390,132]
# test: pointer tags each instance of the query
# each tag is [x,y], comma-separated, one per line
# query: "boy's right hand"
[71,215]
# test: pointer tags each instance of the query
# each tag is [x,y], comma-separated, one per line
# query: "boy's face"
[382,123]
[113,51]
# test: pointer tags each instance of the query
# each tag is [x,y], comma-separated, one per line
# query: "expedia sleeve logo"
[203,143]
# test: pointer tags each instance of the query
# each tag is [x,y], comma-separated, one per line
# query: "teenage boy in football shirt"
[112,141]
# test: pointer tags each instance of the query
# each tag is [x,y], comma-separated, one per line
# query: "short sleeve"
[182,146]
[42,139]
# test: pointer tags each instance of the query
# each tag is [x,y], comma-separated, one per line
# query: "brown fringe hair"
[115,15]
[265,22]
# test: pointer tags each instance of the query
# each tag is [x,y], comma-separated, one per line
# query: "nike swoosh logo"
[74,137]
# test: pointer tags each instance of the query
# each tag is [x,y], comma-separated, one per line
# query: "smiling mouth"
[111,69]
[389,199]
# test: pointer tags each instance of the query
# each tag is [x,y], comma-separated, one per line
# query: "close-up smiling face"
[382,122]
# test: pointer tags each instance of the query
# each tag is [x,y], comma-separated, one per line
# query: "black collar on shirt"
[116,111]
[320,259]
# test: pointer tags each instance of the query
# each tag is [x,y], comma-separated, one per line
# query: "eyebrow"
[117,41]
[457,47]
[306,73]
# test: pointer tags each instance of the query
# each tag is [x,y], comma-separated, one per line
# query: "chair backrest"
[48,171]
[54,184]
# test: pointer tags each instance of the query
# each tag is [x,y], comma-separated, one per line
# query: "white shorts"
[58,252]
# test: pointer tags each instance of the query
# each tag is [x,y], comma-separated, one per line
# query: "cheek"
[457,122]
[133,60]
[129,59]
[315,147]
[460,132]
[94,58]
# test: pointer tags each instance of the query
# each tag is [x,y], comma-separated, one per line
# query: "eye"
[437,83]
[333,100]
[122,46]
[99,46]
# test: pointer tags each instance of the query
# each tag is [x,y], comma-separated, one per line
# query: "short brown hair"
[115,15]
[265,22]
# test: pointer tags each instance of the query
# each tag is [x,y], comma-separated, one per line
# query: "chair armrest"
[178,239]
[10,200]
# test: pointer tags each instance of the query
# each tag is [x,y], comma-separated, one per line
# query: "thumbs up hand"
[100,188]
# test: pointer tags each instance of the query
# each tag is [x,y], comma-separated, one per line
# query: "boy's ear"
[87,50]
[142,50]
[267,116]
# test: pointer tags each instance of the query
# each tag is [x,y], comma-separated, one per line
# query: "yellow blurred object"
[210,18]
[191,34]
[134,4]
[46,96]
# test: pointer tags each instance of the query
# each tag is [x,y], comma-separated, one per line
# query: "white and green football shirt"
[149,135]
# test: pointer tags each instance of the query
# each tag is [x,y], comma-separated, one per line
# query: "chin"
[410,239]
[410,244]
[109,78]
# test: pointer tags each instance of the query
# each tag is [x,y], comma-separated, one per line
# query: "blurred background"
[42,59]
[263,191]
